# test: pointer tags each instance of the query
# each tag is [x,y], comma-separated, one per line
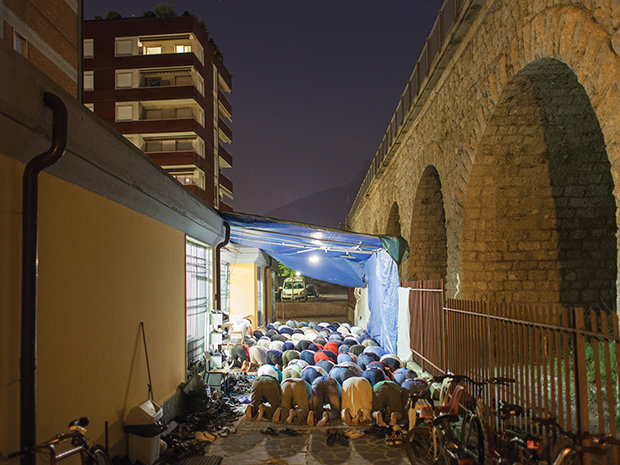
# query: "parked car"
[293,289]
[312,290]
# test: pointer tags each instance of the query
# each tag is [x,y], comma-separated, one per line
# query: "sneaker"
[276,415]
[261,412]
[310,418]
[248,413]
[291,416]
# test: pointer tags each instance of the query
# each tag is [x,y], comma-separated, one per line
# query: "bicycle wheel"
[97,455]
[472,439]
[419,445]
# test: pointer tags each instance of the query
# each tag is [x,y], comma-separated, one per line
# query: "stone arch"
[428,254]
[540,215]
[393,222]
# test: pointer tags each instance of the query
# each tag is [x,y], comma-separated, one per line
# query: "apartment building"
[46,33]
[160,83]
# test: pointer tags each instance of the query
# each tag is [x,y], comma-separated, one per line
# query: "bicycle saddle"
[79,422]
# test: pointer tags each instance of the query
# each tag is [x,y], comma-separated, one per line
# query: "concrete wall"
[505,179]
[103,269]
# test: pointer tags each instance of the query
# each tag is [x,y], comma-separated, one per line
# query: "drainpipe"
[218,280]
[29,274]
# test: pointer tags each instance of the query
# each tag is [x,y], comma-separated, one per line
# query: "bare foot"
[310,418]
[276,415]
[261,412]
[291,416]
[323,419]
[248,413]
[346,416]
[393,419]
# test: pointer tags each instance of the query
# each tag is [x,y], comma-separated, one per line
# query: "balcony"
[224,207]
[187,157]
[226,159]
[223,100]
[224,131]
[225,182]
[158,126]
[225,79]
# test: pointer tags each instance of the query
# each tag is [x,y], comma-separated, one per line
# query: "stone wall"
[505,180]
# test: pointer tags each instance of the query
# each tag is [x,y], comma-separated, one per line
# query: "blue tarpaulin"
[339,257]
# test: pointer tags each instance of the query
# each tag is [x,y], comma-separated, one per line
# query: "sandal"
[270,431]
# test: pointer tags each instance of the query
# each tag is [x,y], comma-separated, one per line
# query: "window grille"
[199,298]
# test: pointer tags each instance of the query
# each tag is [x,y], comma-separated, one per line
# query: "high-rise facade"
[46,33]
[162,85]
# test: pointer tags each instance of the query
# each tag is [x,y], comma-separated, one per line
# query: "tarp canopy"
[339,257]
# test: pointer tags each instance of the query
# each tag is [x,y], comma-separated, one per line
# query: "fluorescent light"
[314,259]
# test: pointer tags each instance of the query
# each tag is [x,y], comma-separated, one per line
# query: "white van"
[293,289]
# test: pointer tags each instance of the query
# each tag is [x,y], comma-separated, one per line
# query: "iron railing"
[446,19]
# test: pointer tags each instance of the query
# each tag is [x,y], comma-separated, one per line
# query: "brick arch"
[427,240]
[393,221]
[540,215]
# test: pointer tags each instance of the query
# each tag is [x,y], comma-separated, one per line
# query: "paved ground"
[249,446]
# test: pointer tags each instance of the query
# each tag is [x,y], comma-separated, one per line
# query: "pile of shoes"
[395,436]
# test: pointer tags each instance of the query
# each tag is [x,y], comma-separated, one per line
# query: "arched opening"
[427,242]
[540,216]
[393,222]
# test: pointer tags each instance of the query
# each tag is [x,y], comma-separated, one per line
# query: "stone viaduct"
[501,167]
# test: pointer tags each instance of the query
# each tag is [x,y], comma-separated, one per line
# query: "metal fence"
[565,361]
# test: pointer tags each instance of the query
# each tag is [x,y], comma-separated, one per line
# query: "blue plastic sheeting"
[382,278]
[328,255]
[338,257]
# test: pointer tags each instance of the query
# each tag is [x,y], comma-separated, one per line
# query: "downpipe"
[218,278]
[30,274]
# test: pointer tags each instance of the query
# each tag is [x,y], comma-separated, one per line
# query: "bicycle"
[510,444]
[433,439]
[95,455]
[567,455]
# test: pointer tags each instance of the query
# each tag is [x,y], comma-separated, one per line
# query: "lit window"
[90,106]
[183,48]
[123,47]
[89,80]
[152,50]
[124,112]
[19,43]
[124,80]
[89,48]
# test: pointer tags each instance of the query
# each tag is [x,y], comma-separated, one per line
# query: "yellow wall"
[243,291]
[103,268]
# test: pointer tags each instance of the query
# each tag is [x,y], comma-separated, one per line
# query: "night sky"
[315,84]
